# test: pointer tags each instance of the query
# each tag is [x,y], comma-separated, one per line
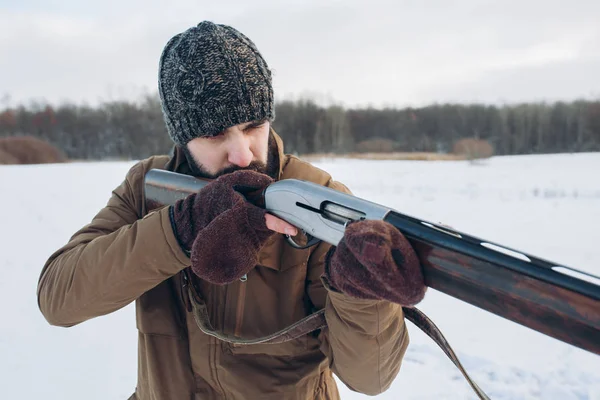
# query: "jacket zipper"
[239,313]
[216,347]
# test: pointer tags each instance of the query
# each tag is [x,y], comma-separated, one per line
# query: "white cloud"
[357,52]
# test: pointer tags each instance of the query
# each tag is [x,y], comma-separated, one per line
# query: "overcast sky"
[356,53]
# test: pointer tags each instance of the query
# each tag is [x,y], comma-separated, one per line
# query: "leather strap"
[422,321]
[317,321]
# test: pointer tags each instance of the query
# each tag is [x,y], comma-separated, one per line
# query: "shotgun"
[556,300]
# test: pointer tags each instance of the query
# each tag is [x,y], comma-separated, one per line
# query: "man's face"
[243,146]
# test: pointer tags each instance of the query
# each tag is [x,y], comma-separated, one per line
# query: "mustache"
[256,166]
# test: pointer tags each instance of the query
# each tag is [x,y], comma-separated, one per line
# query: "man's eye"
[256,126]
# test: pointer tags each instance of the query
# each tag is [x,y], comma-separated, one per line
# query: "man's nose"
[239,152]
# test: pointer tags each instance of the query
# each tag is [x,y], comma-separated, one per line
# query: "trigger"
[310,242]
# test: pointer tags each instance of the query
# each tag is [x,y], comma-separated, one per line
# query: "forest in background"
[135,130]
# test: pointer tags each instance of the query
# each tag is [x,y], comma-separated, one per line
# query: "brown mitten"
[375,261]
[221,229]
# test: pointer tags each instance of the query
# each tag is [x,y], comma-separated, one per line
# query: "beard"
[270,168]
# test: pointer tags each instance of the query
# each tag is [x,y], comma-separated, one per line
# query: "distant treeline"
[134,130]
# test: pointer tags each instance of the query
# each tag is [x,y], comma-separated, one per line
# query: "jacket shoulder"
[153,162]
[296,168]
[132,187]
[138,170]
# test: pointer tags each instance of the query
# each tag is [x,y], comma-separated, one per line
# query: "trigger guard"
[311,242]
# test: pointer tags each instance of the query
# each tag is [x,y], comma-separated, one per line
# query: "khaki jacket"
[129,253]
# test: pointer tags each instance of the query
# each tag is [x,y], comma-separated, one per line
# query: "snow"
[544,205]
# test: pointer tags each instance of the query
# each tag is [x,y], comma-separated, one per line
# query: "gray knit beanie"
[212,77]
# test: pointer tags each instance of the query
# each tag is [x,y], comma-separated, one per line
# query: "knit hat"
[212,77]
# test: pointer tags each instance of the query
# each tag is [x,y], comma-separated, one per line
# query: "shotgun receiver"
[556,300]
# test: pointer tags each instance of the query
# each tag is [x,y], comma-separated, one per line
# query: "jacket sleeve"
[111,261]
[365,340]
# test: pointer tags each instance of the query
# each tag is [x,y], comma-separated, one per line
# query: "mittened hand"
[221,229]
[375,261]
[193,213]
[228,247]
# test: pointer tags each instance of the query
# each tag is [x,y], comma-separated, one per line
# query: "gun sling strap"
[197,306]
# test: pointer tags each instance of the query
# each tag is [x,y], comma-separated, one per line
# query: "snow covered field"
[548,206]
